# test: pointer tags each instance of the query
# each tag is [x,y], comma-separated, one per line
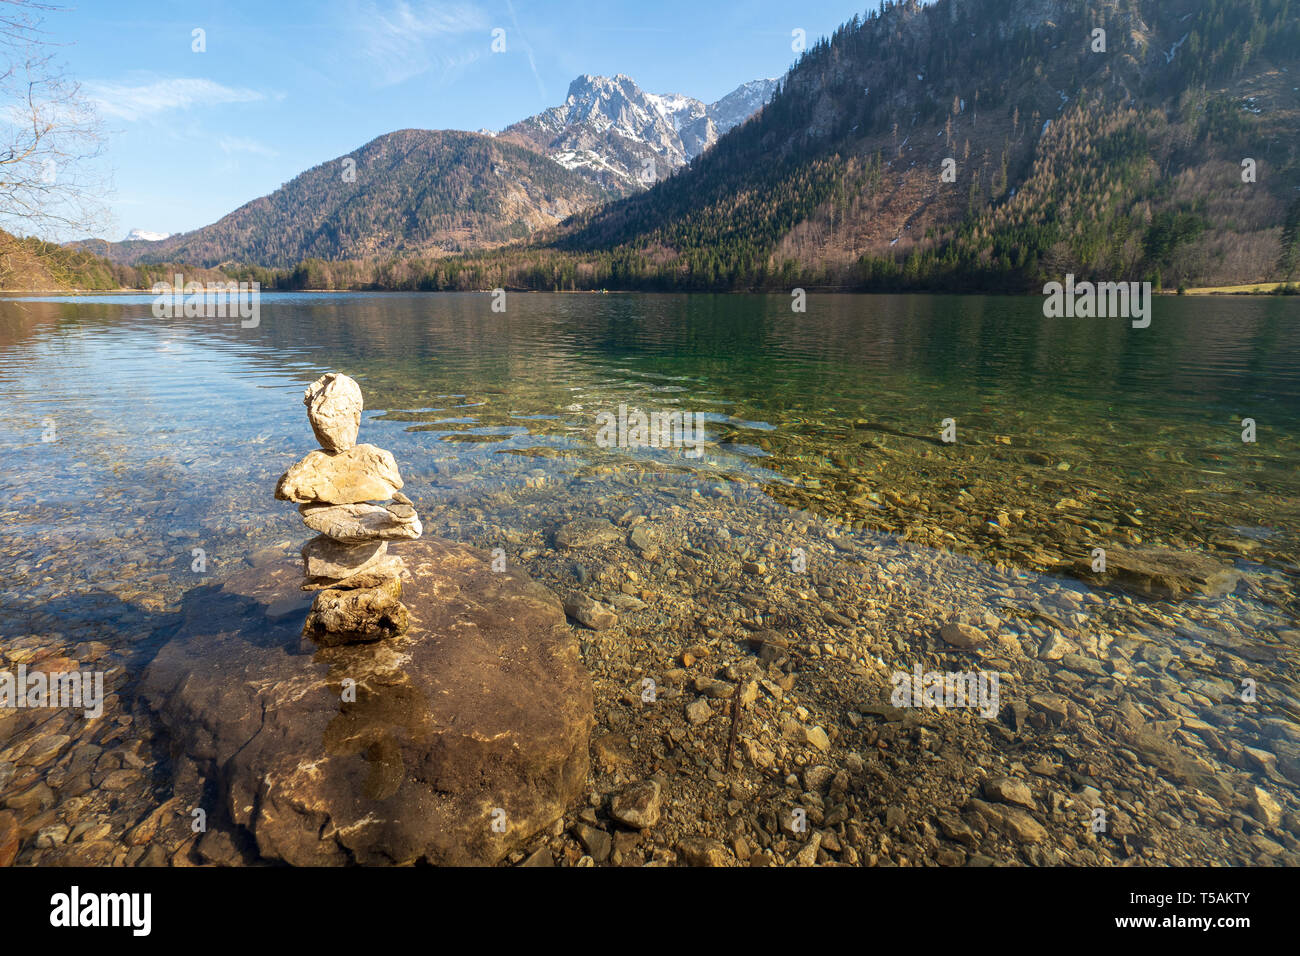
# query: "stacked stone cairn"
[359,582]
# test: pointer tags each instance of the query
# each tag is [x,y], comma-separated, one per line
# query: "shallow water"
[139,455]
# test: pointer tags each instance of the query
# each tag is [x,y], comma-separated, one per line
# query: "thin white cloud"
[528,49]
[403,39]
[238,144]
[142,100]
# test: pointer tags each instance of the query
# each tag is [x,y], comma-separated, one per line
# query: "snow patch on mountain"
[628,138]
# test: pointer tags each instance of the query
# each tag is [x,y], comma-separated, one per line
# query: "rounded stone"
[334,406]
[362,473]
[357,615]
[323,557]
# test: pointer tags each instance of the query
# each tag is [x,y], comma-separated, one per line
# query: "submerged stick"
[735,724]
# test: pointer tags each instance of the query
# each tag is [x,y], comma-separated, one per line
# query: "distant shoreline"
[1247,289]
[1257,288]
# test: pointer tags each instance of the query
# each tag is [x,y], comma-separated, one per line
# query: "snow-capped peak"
[612,127]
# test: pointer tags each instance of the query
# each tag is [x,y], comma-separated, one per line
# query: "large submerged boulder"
[451,744]
[1165,573]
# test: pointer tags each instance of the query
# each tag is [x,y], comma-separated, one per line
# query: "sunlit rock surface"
[478,715]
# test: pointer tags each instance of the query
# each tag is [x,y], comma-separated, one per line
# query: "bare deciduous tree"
[50,135]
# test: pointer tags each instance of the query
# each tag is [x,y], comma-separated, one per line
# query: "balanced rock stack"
[360,583]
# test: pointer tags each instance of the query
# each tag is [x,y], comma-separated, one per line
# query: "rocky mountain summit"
[627,138]
[446,192]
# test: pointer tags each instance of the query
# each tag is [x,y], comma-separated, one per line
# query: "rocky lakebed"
[705,677]
[830,639]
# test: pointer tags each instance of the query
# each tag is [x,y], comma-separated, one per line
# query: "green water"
[850,395]
[131,444]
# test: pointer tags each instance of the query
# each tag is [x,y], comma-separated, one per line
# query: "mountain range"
[443,192]
[981,145]
[627,139]
[413,190]
[961,144]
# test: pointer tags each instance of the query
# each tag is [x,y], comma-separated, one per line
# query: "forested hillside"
[413,191]
[1123,161]
[29,264]
[963,145]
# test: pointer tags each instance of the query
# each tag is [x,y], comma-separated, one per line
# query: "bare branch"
[50,136]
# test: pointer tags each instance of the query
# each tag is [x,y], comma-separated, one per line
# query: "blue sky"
[286,84]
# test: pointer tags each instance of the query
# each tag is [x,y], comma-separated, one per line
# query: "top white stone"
[334,408]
